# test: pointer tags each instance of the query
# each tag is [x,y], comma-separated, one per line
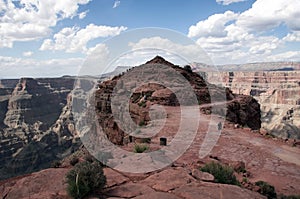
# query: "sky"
[40,38]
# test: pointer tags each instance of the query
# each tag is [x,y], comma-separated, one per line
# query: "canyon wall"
[278,93]
[36,124]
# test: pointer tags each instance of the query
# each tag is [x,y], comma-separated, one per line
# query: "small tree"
[84,178]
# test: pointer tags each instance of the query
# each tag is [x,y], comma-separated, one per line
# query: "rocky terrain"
[278,93]
[264,159]
[38,127]
[240,109]
[36,124]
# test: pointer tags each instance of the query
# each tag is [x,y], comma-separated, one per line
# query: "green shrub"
[223,174]
[85,178]
[245,180]
[140,148]
[266,189]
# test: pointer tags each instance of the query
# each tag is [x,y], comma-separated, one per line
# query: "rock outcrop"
[278,92]
[241,109]
[37,124]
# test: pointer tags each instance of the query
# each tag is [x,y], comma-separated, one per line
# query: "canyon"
[38,126]
[278,93]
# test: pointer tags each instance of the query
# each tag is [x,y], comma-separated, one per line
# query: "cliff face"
[241,109]
[278,92]
[37,124]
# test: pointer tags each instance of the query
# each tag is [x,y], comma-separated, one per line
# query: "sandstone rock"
[35,185]
[114,178]
[276,91]
[203,176]
[38,125]
[129,190]
[168,179]
[214,191]
[241,109]
[158,195]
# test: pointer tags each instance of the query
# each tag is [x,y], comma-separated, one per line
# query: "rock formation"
[36,124]
[241,109]
[278,92]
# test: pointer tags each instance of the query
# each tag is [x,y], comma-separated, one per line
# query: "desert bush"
[84,178]
[266,189]
[140,148]
[223,174]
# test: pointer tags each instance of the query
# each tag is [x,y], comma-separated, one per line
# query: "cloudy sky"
[54,38]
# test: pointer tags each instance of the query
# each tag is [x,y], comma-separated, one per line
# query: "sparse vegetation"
[140,148]
[142,123]
[266,189]
[85,178]
[223,174]
[142,104]
[245,180]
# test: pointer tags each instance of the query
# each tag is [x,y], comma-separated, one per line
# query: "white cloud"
[286,56]
[116,4]
[292,37]
[213,25]
[18,67]
[247,37]
[27,53]
[227,2]
[97,61]
[75,39]
[191,52]
[267,14]
[82,15]
[26,20]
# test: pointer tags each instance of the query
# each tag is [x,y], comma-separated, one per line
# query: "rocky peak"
[241,109]
[159,60]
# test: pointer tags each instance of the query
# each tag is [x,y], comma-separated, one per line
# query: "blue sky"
[54,38]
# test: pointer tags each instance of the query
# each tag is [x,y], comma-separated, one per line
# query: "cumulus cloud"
[213,25]
[292,37]
[96,63]
[82,15]
[26,20]
[74,39]
[116,4]
[27,53]
[268,14]
[191,52]
[247,36]
[12,67]
[227,2]
[286,56]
